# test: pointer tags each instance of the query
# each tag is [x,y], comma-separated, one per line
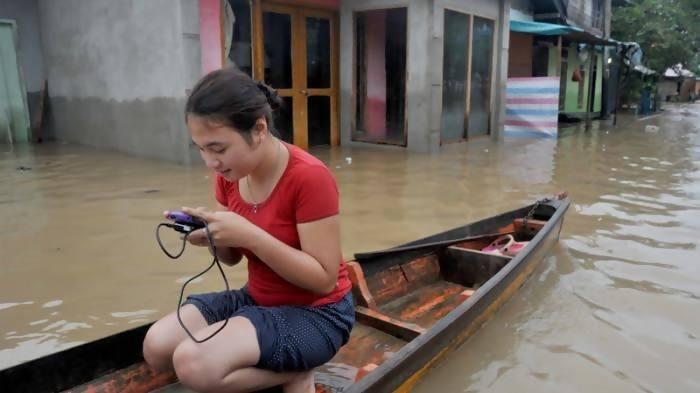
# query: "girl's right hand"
[198,238]
[228,256]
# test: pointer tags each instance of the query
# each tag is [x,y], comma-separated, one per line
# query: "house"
[677,84]
[569,39]
[413,74]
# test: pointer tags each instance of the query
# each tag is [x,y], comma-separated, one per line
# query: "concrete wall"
[26,16]
[520,57]
[424,65]
[667,88]
[553,65]
[118,73]
[521,10]
[687,87]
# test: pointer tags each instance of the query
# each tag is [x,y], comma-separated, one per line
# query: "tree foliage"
[667,30]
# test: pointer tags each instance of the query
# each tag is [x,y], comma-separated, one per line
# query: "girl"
[278,206]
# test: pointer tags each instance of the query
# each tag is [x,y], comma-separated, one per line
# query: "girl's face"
[225,150]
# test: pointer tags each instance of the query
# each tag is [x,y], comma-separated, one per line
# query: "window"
[466,76]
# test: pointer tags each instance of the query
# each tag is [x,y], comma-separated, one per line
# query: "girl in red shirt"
[278,206]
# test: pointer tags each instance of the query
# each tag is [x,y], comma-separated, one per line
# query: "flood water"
[613,308]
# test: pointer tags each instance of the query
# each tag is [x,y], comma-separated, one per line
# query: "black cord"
[215,261]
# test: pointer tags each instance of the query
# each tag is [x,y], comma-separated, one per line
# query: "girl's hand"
[227,229]
[198,238]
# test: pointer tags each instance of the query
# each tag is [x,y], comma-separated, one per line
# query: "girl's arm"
[315,266]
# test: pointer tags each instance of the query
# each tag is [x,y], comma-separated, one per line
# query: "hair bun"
[273,99]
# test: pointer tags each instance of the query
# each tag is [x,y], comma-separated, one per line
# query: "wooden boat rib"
[415,303]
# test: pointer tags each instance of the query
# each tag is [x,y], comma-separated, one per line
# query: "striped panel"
[532,107]
[529,100]
[550,92]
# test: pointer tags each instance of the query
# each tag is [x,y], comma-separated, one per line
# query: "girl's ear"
[261,124]
[260,131]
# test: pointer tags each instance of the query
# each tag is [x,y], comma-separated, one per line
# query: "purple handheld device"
[185,219]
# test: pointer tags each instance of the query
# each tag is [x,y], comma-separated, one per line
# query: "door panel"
[318,53]
[278,49]
[319,77]
[454,74]
[480,79]
[283,120]
[319,120]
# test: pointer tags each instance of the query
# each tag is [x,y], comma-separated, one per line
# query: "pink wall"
[210,34]
[375,104]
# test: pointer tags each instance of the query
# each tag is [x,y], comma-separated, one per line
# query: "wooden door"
[296,53]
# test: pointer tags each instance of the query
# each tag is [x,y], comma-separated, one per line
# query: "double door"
[297,55]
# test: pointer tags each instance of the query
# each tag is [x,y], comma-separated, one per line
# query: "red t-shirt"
[306,192]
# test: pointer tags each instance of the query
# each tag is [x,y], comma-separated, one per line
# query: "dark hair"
[234,99]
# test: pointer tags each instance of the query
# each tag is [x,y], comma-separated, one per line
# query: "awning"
[572,33]
[588,38]
[541,28]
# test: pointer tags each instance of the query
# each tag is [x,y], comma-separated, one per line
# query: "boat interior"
[397,304]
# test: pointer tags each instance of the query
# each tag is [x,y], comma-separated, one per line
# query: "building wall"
[581,13]
[375,110]
[26,16]
[554,68]
[521,10]
[687,87]
[520,56]
[667,88]
[119,71]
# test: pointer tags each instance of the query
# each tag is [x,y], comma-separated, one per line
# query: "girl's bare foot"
[303,383]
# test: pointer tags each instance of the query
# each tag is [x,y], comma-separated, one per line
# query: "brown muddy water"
[613,308]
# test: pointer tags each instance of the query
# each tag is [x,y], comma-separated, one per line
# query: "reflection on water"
[613,308]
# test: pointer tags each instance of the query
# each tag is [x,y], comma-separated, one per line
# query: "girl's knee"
[303,382]
[191,367]
[158,347]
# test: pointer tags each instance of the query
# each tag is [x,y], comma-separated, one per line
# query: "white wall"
[118,73]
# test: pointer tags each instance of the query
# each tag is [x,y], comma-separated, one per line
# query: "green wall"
[552,69]
[571,102]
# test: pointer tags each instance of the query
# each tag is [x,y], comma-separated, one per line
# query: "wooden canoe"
[415,303]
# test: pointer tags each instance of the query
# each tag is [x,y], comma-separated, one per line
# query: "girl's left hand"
[227,229]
